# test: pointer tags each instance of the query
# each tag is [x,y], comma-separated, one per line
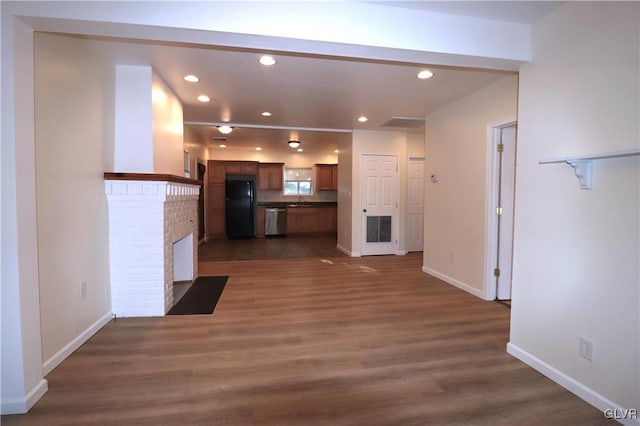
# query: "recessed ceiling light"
[300,149]
[266,114]
[222,146]
[258,148]
[267,60]
[424,74]
[203,98]
[191,78]
[363,119]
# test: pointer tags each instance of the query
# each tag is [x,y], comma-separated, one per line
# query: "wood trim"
[151,177]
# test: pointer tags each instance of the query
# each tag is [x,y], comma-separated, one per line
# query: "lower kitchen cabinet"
[311,220]
[327,220]
[260,223]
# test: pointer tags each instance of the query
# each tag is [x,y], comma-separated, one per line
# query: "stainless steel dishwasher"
[275,221]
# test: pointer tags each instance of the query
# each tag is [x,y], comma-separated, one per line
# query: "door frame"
[422,160]
[395,218]
[491,219]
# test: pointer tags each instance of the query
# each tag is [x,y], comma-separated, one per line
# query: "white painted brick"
[145,220]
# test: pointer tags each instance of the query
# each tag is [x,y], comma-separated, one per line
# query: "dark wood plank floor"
[332,341]
[289,247]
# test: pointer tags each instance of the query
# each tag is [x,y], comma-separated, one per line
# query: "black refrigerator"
[240,192]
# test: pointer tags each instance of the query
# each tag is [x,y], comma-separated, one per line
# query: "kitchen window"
[298,181]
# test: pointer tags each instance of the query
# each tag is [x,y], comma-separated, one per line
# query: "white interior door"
[506,187]
[415,204]
[379,177]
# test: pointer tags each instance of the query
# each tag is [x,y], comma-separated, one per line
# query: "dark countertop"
[295,204]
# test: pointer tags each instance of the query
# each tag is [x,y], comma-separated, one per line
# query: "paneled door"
[379,177]
[415,204]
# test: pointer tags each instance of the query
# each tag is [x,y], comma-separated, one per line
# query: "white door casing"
[415,204]
[506,187]
[379,204]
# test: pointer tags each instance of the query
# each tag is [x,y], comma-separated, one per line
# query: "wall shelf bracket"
[582,165]
[582,169]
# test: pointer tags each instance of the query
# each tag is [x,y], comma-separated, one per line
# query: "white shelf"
[582,163]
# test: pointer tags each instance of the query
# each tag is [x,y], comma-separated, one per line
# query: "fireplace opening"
[182,267]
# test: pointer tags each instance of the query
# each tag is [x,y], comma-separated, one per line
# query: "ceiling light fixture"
[363,119]
[225,130]
[294,143]
[267,60]
[191,78]
[203,98]
[424,74]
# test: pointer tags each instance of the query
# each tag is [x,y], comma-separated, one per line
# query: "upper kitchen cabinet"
[241,167]
[216,171]
[270,176]
[326,177]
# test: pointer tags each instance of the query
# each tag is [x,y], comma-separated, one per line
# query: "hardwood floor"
[289,247]
[333,341]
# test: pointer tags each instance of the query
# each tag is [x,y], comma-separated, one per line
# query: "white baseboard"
[454,282]
[572,385]
[347,252]
[70,347]
[22,405]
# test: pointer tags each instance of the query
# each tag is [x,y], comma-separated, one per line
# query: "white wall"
[74,137]
[198,151]
[383,143]
[345,193]
[21,371]
[455,206]
[168,145]
[415,144]
[576,269]
[133,146]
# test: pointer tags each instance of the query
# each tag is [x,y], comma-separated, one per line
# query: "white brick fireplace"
[153,225]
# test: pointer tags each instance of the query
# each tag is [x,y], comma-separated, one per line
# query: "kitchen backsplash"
[278,196]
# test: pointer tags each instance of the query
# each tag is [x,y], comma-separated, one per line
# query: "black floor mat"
[201,298]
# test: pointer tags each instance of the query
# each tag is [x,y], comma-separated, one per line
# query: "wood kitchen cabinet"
[215,210]
[270,176]
[216,171]
[312,220]
[302,220]
[326,177]
[327,220]
[241,167]
[260,223]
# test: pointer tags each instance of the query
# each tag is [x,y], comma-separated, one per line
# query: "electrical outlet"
[83,288]
[587,348]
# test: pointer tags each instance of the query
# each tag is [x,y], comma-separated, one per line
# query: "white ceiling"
[320,98]
[524,12]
